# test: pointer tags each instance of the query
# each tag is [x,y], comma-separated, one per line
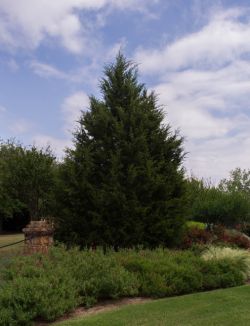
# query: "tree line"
[122,184]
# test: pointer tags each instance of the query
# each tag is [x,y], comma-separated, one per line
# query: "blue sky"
[194,53]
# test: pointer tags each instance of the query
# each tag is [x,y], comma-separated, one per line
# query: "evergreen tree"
[123,182]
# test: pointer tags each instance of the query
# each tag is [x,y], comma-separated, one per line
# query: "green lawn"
[8,239]
[227,307]
[11,238]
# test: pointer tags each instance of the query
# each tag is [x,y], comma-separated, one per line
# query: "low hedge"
[45,287]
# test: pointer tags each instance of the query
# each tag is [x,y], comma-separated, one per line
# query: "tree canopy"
[217,205]
[122,183]
[26,180]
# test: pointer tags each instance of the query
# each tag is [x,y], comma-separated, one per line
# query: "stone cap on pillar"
[42,227]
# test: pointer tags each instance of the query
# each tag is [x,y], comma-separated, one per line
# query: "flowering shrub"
[231,237]
[196,236]
[218,235]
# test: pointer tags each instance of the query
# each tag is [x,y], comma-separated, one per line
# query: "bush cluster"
[196,236]
[240,256]
[46,287]
[219,235]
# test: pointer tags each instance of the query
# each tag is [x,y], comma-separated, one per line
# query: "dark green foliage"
[211,205]
[222,273]
[165,273]
[36,287]
[100,277]
[26,180]
[45,287]
[123,182]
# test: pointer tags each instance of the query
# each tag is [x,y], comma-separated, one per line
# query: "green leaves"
[212,204]
[47,286]
[122,183]
[26,180]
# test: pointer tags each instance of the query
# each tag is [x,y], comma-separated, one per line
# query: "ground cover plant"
[46,287]
[215,252]
[221,307]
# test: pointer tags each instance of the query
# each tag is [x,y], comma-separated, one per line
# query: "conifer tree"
[122,182]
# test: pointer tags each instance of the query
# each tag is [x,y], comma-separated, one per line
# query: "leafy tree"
[27,178]
[122,183]
[212,205]
[239,180]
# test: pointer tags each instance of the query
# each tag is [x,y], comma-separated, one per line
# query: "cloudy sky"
[194,53]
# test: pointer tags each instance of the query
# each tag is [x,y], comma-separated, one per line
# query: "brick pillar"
[38,237]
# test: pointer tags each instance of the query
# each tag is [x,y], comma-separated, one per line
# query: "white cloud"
[216,157]
[71,109]
[204,81]
[46,70]
[27,23]
[219,42]
[58,145]
[20,126]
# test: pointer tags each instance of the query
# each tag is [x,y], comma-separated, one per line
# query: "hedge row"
[45,287]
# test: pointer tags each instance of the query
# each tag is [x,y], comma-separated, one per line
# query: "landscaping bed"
[42,287]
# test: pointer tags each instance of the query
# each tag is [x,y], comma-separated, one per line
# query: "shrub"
[162,272]
[231,237]
[36,287]
[197,225]
[244,228]
[222,273]
[165,273]
[100,277]
[194,236]
[45,287]
[239,256]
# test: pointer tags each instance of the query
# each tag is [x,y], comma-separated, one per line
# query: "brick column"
[38,237]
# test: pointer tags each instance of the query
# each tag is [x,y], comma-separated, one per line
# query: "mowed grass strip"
[227,307]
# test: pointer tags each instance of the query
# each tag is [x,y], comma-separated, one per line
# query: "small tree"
[123,182]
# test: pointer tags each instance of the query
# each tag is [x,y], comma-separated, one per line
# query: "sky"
[195,54]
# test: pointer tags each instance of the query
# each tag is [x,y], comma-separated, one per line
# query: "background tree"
[239,180]
[213,205]
[27,180]
[122,182]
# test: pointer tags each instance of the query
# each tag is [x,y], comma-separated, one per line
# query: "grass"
[227,307]
[10,238]
[12,250]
